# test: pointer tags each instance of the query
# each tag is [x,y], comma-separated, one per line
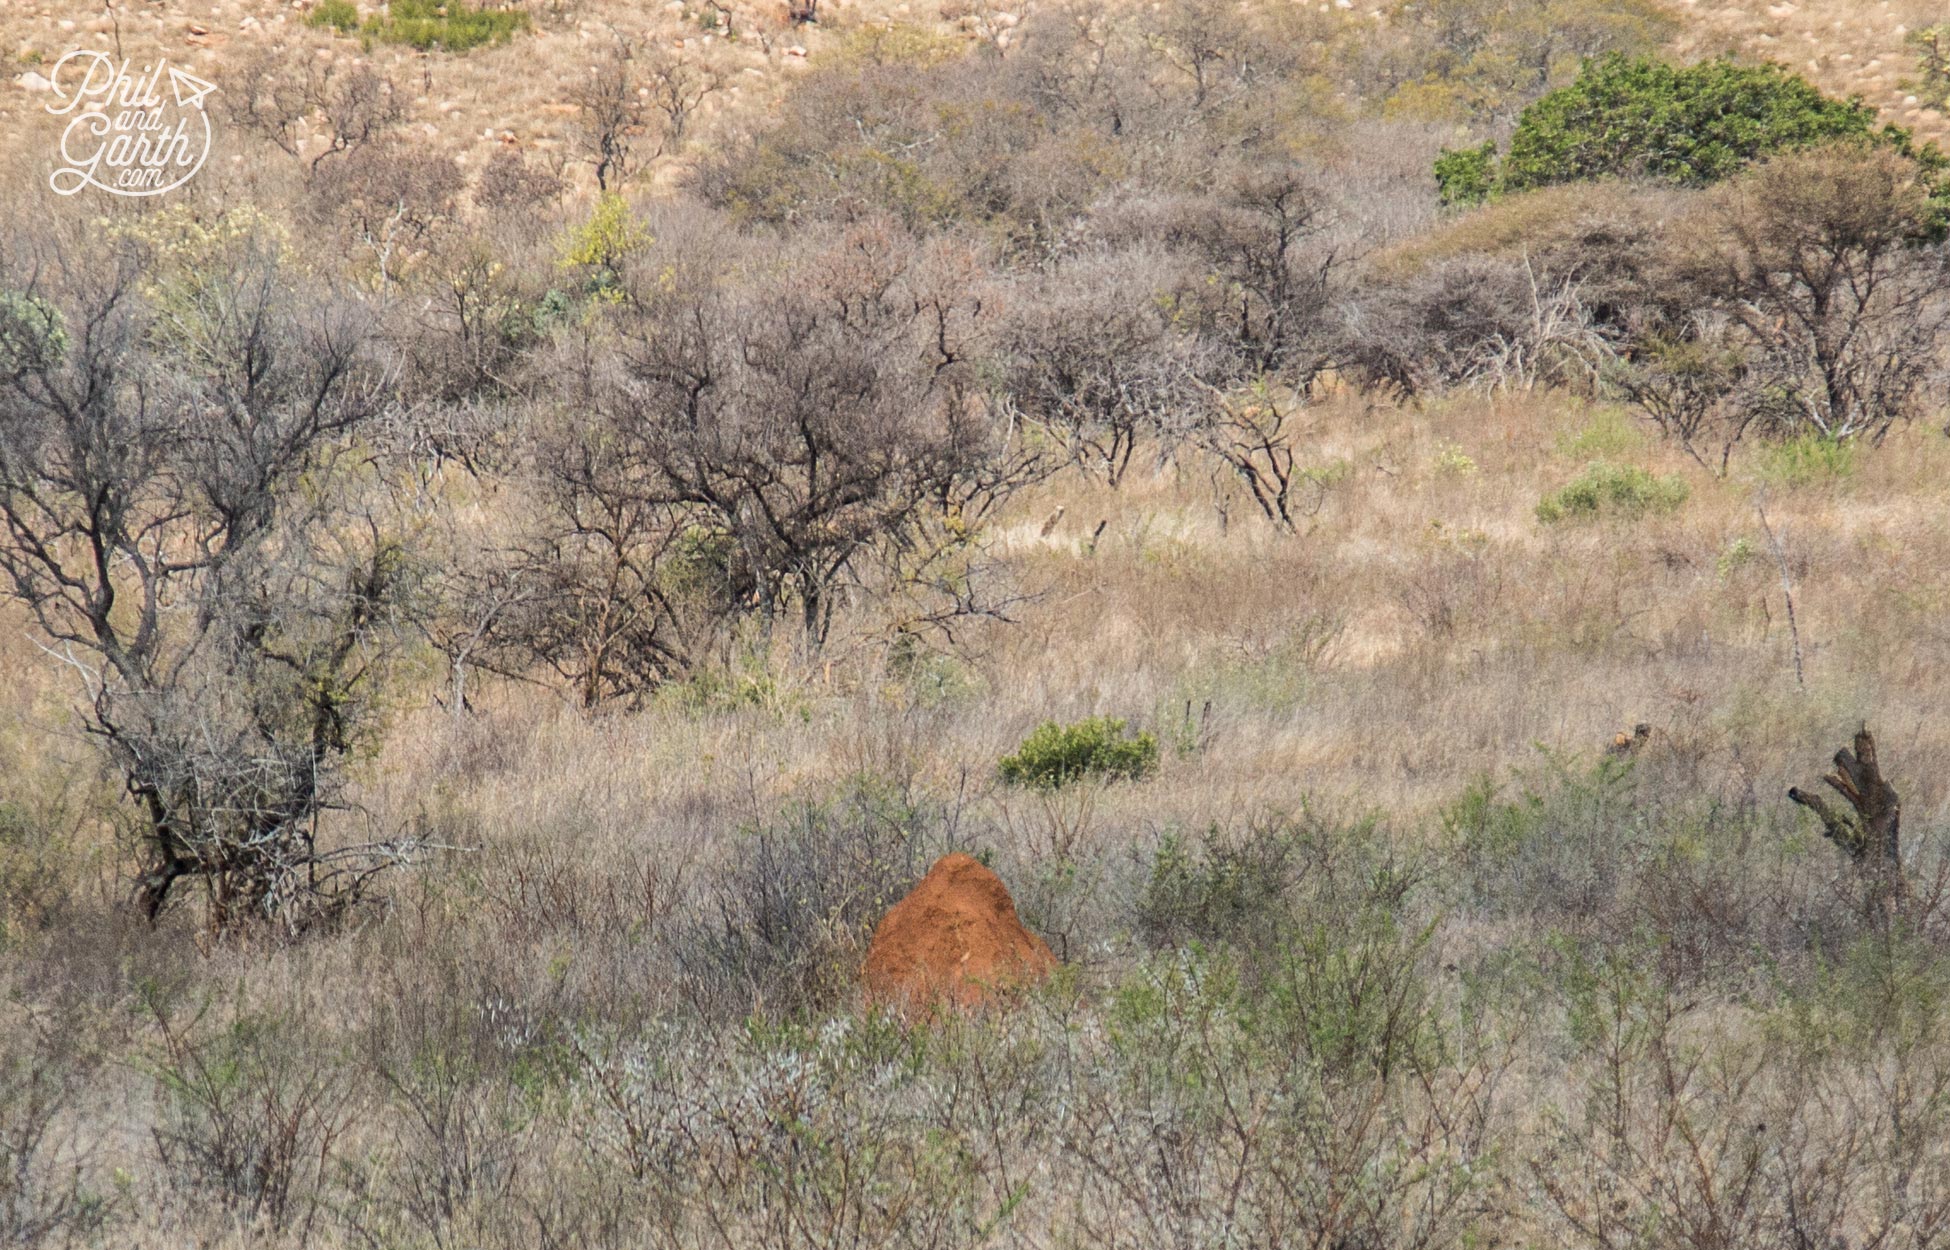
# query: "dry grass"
[1422,630]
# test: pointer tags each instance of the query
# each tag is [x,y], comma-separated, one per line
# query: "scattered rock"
[955,936]
[30,81]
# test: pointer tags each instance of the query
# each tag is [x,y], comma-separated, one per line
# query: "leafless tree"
[609,117]
[284,99]
[510,183]
[1272,285]
[1095,359]
[822,413]
[1486,322]
[633,108]
[1822,262]
[619,590]
[176,516]
[1255,432]
[677,87]
[388,200]
[1695,386]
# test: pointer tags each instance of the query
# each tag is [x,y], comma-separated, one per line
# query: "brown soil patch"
[954,936]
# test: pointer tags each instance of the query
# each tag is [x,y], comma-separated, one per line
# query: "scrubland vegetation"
[488,641]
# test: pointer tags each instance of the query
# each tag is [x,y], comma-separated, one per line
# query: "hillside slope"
[1847,47]
[518,94]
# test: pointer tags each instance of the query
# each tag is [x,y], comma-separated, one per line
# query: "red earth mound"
[954,936]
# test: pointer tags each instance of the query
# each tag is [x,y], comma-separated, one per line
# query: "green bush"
[340,15]
[1638,116]
[1350,997]
[428,24]
[1466,175]
[601,246]
[1608,434]
[1565,841]
[33,334]
[1808,460]
[1611,490]
[1056,755]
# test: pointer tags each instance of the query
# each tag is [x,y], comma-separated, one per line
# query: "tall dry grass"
[647,914]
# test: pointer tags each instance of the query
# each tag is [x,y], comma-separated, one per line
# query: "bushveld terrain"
[515,569]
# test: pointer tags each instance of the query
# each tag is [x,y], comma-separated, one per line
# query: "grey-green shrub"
[1614,491]
[33,334]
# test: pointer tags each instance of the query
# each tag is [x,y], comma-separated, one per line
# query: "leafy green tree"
[1692,125]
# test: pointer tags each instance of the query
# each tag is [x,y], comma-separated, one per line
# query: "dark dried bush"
[230,629]
[782,925]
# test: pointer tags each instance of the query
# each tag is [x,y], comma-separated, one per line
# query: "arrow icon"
[189,89]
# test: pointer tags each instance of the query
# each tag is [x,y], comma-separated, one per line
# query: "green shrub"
[1056,755]
[1351,996]
[1609,434]
[33,334]
[601,246]
[1564,841]
[340,15]
[1693,125]
[1611,490]
[1889,989]
[1355,991]
[1808,460]
[1466,176]
[1452,461]
[429,24]
[1739,553]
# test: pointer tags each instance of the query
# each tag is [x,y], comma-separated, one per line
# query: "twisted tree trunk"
[1871,834]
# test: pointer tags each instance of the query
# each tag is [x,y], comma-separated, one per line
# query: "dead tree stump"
[1872,834]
